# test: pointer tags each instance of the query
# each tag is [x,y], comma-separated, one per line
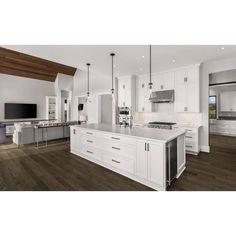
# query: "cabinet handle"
[89,133]
[189,146]
[89,141]
[143,109]
[89,152]
[74,131]
[162,87]
[148,147]
[115,161]
[142,85]
[185,108]
[145,147]
[123,86]
[185,79]
[116,148]
[188,136]
[115,138]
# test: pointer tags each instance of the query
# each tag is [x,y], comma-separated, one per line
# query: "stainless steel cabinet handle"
[89,141]
[145,147]
[188,136]
[115,138]
[162,87]
[74,131]
[90,152]
[185,108]
[185,79]
[189,146]
[89,133]
[115,161]
[148,147]
[116,148]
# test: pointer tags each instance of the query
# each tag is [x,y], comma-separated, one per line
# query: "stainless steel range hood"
[166,96]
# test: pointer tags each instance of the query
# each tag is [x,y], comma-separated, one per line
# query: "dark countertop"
[226,118]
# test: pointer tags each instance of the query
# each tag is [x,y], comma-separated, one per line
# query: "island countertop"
[161,135]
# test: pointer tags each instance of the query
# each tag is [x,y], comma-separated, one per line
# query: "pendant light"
[150,71]
[88,65]
[112,74]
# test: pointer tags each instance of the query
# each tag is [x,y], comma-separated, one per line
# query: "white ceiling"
[128,59]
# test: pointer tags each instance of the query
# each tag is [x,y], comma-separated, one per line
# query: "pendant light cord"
[88,79]
[112,72]
[150,82]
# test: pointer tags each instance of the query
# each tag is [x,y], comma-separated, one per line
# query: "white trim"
[205,149]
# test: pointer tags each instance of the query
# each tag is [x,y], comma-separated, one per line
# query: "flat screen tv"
[20,111]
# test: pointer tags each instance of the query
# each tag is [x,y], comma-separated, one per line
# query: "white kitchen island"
[138,153]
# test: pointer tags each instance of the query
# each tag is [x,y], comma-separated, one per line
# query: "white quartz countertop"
[161,135]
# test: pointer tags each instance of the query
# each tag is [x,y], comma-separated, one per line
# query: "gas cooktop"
[161,123]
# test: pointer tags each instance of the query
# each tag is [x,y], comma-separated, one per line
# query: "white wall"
[98,85]
[14,89]
[206,69]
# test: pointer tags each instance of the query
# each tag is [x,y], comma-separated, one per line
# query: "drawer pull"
[188,136]
[115,138]
[89,141]
[115,161]
[89,152]
[89,133]
[188,130]
[116,148]
[189,146]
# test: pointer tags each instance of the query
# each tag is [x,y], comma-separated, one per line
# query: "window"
[212,107]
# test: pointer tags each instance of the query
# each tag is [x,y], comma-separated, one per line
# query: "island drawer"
[91,133]
[190,136]
[191,146]
[120,139]
[120,148]
[92,141]
[118,161]
[91,152]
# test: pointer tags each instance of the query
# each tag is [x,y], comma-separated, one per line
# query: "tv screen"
[20,111]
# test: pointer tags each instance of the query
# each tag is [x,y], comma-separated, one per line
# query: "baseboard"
[205,148]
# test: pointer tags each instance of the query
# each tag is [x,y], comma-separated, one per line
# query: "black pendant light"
[88,65]
[112,73]
[150,81]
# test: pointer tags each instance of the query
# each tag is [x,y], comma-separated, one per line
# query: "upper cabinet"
[227,101]
[163,81]
[187,95]
[142,96]
[126,92]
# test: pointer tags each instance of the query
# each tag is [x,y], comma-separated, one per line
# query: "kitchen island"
[149,156]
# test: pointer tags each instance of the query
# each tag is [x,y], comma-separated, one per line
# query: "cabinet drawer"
[192,147]
[120,148]
[120,162]
[91,152]
[91,133]
[190,136]
[120,139]
[92,141]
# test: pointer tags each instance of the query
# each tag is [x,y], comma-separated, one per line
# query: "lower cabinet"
[150,161]
[75,142]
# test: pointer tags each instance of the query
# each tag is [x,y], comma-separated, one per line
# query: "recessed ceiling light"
[143,56]
[173,60]
[222,48]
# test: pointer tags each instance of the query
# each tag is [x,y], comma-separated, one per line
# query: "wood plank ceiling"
[24,65]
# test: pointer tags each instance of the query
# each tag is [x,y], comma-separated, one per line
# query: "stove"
[161,125]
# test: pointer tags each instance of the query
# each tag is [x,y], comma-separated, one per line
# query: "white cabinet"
[150,161]
[51,108]
[227,101]
[163,81]
[126,91]
[75,142]
[187,97]
[143,103]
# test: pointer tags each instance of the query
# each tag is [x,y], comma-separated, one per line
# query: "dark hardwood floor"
[55,168]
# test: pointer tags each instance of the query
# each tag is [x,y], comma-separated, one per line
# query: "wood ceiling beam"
[10,71]
[36,61]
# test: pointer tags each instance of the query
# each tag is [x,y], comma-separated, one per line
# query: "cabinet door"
[121,93]
[92,109]
[180,97]
[141,160]
[74,140]
[226,101]
[192,99]
[181,156]
[168,80]
[127,91]
[156,163]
